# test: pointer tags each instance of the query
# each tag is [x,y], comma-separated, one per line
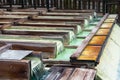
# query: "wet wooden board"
[90,53]
[97,40]
[14,69]
[69,73]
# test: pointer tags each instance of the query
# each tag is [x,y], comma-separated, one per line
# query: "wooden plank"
[6,21]
[13,16]
[65,14]
[74,11]
[90,75]
[35,28]
[70,73]
[19,13]
[90,53]
[97,40]
[75,75]
[59,19]
[30,10]
[34,47]
[67,72]
[17,70]
[61,35]
[49,24]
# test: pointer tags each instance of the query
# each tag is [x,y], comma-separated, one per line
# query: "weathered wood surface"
[13,16]
[45,51]
[31,10]
[6,21]
[74,11]
[19,13]
[15,70]
[69,73]
[65,14]
[90,53]
[59,19]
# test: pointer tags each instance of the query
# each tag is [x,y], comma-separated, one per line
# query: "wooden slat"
[75,75]
[67,72]
[65,14]
[74,11]
[59,19]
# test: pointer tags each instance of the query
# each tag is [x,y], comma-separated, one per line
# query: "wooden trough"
[56,45]
[91,50]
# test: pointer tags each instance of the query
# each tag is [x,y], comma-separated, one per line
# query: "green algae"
[94,23]
[98,18]
[76,42]
[65,55]
[89,28]
[83,34]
